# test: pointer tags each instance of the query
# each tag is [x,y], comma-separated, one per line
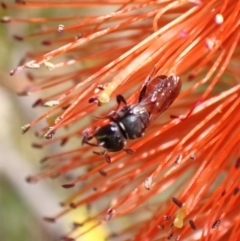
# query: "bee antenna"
[120,99]
[101,118]
[87,138]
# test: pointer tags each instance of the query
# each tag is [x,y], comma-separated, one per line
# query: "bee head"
[110,137]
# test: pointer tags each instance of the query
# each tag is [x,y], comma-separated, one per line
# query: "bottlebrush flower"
[192,150]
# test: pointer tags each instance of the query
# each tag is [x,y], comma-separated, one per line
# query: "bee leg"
[120,99]
[98,153]
[129,151]
[144,88]
[104,153]
[86,138]
[107,158]
[113,115]
[88,143]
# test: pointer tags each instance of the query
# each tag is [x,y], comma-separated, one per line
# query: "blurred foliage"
[17,221]
[20,222]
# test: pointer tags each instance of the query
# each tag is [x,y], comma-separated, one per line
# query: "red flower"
[195,154]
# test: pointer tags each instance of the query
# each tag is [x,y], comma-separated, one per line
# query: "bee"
[131,121]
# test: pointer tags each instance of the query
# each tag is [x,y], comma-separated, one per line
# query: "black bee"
[131,121]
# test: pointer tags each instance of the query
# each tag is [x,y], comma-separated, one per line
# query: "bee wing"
[150,84]
[160,94]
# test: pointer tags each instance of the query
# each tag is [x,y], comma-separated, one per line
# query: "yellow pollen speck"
[103,98]
[96,91]
[209,43]
[51,103]
[179,220]
[32,65]
[60,28]
[219,19]
[49,65]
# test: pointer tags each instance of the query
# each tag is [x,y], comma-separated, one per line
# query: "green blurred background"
[22,205]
